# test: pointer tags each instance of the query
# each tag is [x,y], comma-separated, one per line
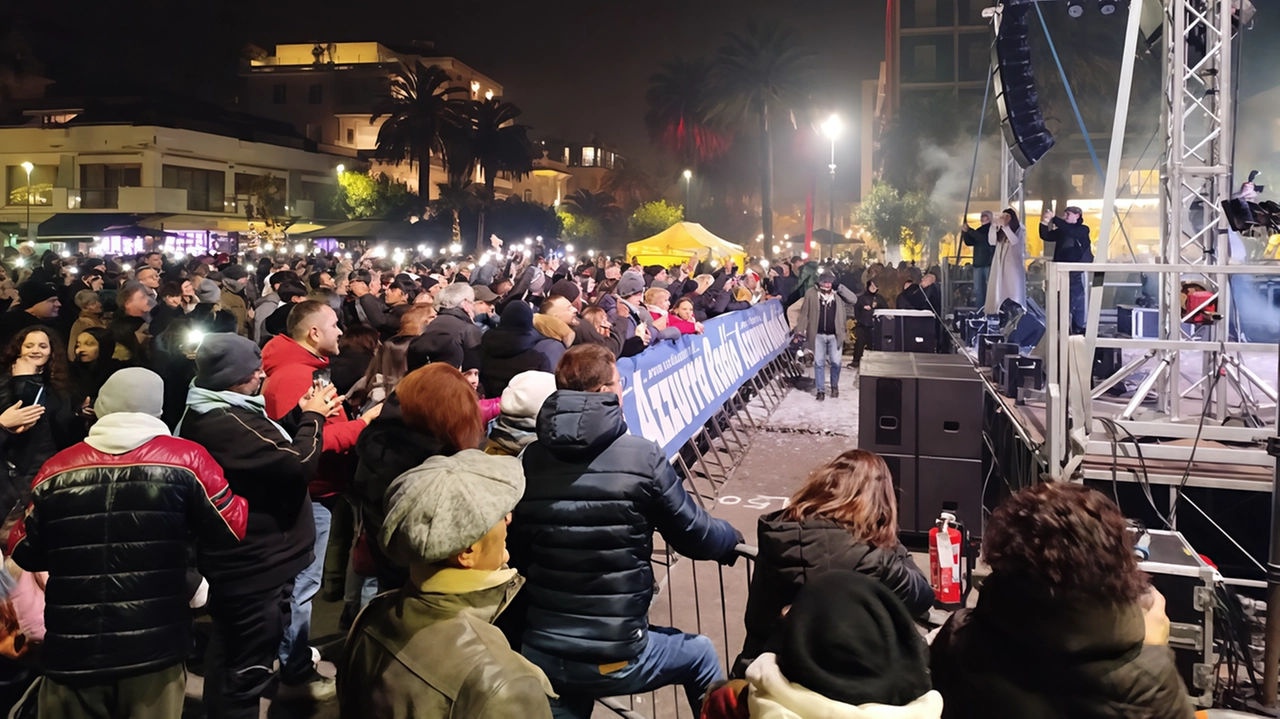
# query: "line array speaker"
[1015,88]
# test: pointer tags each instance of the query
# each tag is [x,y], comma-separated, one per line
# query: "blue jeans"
[826,349]
[295,648]
[981,276]
[1078,301]
[671,657]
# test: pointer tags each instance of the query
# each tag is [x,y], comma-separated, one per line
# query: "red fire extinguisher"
[945,555]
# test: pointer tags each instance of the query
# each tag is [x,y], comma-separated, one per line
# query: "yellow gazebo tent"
[683,240]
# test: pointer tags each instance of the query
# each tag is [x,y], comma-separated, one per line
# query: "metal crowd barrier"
[709,457]
[699,597]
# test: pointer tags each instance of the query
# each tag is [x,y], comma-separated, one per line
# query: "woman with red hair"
[433,411]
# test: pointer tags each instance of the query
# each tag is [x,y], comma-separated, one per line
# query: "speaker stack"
[1015,88]
[923,414]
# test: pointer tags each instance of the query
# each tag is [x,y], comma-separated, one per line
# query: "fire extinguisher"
[946,542]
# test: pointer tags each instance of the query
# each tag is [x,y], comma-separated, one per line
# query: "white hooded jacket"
[772,696]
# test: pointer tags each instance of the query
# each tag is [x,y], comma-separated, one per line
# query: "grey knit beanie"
[225,359]
[446,504]
[132,389]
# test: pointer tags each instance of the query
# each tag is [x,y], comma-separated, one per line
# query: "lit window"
[566,155]
[475,88]
[588,157]
[351,136]
[1077,181]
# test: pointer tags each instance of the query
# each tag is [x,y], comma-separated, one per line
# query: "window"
[205,188]
[1144,182]
[971,12]
[975,57]
[43,178]
[927,13]
[315,94]
[100,183]
[588,157]
[928,59]
[566,155]
[1077,181]
[351,136]
[279,94]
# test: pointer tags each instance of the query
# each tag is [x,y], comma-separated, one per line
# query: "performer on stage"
[1008,267]
[1071,243]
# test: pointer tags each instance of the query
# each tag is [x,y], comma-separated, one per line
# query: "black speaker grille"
[1020,117]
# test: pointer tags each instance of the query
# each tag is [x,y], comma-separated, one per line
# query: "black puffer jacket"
[113,531]
[510,349]
[1022,653]
[272,473]
[583,533]
[793,553]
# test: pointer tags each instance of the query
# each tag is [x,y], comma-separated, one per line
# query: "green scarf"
[201,400]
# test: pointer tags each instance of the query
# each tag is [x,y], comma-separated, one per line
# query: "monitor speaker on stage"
[1015,89]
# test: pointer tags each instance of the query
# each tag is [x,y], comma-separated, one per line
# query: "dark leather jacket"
[392,668]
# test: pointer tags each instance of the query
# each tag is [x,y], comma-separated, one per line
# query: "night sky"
[578,69]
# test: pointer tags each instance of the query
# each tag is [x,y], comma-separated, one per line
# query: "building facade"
[92,168]
[330,91]
[565,168]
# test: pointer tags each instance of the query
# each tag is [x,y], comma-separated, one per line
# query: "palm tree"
[420,111]
[680,100]
[763,73]
[490,139]
[597,206]
[629,185]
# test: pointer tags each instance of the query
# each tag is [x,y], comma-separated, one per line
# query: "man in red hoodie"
[291,361]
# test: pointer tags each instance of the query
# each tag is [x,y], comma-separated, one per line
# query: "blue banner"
[672,389]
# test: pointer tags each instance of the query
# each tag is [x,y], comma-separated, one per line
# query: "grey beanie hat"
[225,359]
[132,389]
[632,283]
[446,504]
[208,291]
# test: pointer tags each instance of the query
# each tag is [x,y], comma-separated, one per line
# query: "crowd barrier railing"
[702,597]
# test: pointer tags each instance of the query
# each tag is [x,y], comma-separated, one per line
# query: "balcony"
[125,199]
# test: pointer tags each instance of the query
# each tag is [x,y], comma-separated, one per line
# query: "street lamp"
[688,206]
[831,128]
[29,167]
[340,169]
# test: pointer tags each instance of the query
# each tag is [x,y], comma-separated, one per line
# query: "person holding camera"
[1071,243]
[295,362]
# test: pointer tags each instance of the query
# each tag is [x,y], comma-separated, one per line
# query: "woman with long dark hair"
[93,363]
[1008,266]
[390,364]
[1066,625]
[33,371]
[844,517]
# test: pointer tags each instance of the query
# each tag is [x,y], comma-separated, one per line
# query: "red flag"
[808,216]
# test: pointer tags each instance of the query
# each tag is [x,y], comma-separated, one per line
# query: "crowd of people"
[441,446]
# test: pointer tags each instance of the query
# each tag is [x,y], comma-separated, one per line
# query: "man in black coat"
[1071,243]
[117,609]
[510,349]
[454,330]
[250,585]
[983,252]
[865,314]
[583,535]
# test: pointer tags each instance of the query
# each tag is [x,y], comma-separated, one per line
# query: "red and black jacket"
[114,532]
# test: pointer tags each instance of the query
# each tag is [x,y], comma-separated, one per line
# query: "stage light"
[1075,8]
[1107,7]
